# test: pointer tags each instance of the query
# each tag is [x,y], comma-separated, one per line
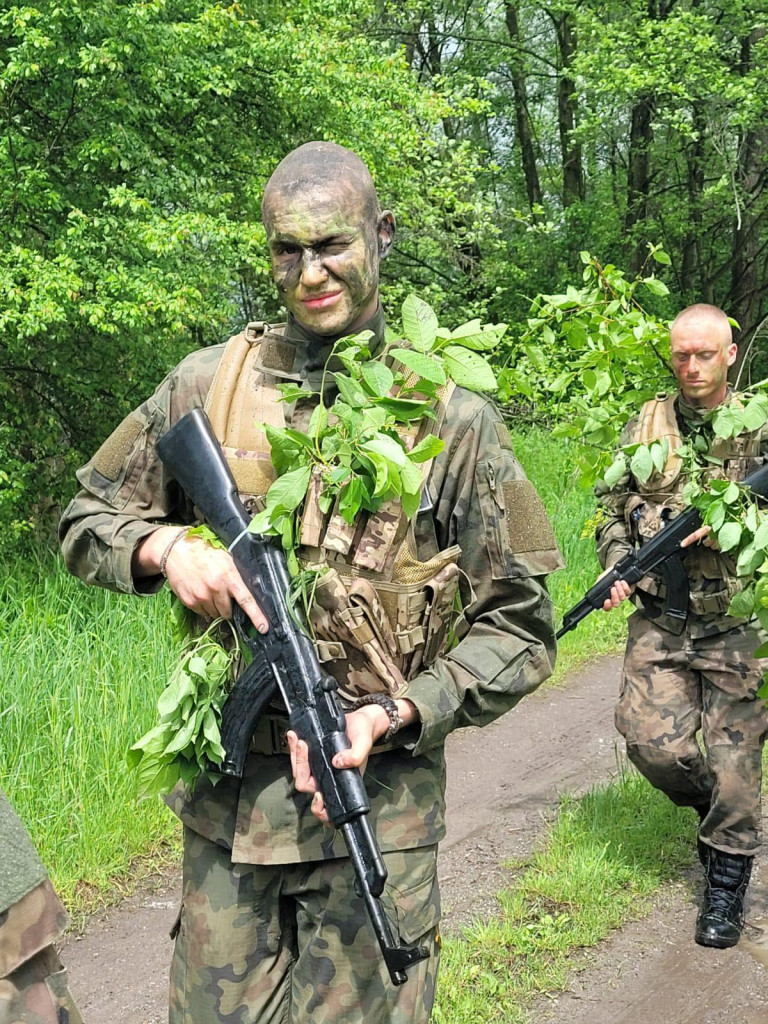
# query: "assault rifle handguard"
[661,554]
[283,662]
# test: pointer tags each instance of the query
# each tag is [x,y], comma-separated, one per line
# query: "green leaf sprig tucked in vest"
[356,450]
[738,521]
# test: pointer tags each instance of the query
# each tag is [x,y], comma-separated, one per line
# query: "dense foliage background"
[136,137]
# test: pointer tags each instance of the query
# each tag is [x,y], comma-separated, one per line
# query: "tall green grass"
[549,463]
[80,672]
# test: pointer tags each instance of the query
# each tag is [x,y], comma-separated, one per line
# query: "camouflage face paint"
[325,256]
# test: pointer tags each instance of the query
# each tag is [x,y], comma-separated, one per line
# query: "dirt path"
[502,779]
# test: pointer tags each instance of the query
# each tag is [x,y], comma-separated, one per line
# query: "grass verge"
[600,862]
[80,671]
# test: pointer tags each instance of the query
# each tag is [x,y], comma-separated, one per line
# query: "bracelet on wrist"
[169,548]
[384,701]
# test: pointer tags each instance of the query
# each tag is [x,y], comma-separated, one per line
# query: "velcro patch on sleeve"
[528,525]
[505,441]
[110,458]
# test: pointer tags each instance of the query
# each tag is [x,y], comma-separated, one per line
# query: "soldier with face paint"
[271,928]
[699,677]
[33,981]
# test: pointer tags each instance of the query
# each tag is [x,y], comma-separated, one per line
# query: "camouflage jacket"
[31,916]
[711,575]
[480,500]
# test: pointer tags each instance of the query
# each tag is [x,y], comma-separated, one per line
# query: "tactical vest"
[380,614]
[661,497]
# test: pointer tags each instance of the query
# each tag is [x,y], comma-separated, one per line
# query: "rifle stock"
[284,662]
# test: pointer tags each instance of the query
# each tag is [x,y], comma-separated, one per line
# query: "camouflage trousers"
[37,993]
[282,943]
[677,690]
[33,982]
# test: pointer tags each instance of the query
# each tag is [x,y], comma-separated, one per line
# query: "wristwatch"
[384,701]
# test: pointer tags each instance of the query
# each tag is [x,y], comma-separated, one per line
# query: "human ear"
[385,229]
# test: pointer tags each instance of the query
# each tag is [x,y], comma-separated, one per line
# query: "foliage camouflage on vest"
[380,614]
[650,503]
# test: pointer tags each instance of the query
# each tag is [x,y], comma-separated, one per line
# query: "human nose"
[312,270]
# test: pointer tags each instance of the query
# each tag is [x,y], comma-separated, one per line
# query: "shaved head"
[701,349]
[321,167]
[703,316]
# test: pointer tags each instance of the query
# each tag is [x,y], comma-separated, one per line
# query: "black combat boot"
[721,916]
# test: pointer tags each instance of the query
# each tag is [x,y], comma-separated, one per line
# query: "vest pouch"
[444,588]
[352,616]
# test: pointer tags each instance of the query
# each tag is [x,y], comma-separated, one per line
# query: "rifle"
[660,554]
[283,662]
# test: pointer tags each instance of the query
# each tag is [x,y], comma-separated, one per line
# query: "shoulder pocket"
[115,470]
[518,534]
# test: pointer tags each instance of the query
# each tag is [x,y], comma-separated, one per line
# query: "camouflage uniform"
[700,676]
[305,936]
[33,982]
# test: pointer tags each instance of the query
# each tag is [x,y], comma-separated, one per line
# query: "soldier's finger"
[696,536]
[303,779]
[250,606]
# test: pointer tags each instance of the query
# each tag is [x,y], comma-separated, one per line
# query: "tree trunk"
[745,299]
[567,109]
[690,284]
[639,170]
[522,116]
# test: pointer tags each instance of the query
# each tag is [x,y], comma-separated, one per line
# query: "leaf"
[615,471]
[426,449]
[659,455]
[655,286]
[661,257]
[641,464]
[761,535]
[419,323]
[716,514]
[729,535]
[469,369]
[749,559]
[350,499]
[742,604]
[351,391]
[426,366]
[388,447]
[411,478]
[378,377]
[288,491]
[731,493]
[404,408]
[755,412]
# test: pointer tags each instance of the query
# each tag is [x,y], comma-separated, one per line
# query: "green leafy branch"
[590,356]
[356,452]
[738,522]
[187,736]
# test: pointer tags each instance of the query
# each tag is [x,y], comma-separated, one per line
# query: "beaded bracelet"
[164,557]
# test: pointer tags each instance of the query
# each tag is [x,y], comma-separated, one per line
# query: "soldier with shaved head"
[271,928]
[689,709]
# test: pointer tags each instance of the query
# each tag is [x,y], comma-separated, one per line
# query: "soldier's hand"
[364,727]
[703,534]
[620,591]
[303,779]
[204,578]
